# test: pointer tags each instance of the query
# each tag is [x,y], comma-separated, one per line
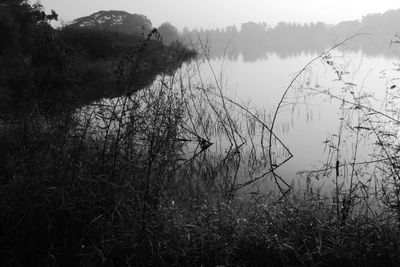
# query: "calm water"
[306,121]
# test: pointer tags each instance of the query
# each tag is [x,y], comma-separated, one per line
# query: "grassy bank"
[138,180]
[151,175]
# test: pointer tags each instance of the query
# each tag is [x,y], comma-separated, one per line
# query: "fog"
[199,133]
[221,13]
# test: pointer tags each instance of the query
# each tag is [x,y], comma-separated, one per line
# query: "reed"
[167,176]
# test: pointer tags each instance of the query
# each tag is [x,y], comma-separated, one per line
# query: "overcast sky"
[221,13]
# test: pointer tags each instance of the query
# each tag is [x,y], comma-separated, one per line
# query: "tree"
[31,57]
[169,33]
[115,21]
[18,22]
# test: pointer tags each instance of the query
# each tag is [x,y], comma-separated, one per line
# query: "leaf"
[362,128]
[351,84]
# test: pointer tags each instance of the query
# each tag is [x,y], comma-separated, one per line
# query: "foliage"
[53,70]
[169,33]
[164,171]
[18,22]
[116,21]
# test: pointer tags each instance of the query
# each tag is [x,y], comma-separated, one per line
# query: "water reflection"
[255,41]
[369,45]
[308,120]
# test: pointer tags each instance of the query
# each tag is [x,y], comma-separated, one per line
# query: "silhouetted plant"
[164,169]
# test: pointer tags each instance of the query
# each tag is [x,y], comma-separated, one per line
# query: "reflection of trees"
[255,40]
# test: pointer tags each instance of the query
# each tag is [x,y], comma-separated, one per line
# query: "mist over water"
[127,139]
[255,63]
[308,119]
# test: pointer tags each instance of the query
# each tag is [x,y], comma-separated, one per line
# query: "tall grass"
[151,178]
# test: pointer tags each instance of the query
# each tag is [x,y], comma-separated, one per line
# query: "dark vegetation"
[124,22]
[73,66]
[116,21]
[99,167]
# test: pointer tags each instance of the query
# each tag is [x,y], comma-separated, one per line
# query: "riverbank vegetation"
[112,154]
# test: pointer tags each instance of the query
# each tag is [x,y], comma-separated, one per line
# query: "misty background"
[199,133]
[254,40]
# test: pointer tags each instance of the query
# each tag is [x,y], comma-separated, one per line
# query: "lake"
[309,121]
[329,119]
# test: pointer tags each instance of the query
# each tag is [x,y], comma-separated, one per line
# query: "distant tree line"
[255,40]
